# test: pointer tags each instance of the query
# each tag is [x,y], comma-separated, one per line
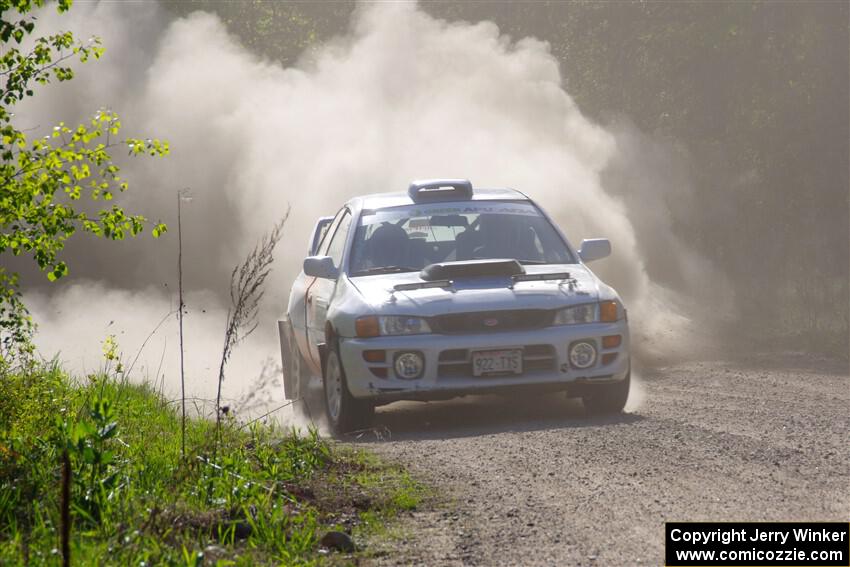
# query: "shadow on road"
[481,415]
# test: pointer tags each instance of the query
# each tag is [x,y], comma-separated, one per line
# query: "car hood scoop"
[538,288]
[471,269]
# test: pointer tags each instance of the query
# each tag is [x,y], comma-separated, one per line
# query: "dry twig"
[246,292]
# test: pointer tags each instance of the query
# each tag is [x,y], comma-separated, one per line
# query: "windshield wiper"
[534,262]
[384,270]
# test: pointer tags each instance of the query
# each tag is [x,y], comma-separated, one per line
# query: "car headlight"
[391,325]
[586,313]
[605,311]
[400,325]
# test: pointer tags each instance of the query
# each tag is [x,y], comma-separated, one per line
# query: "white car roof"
[383,200]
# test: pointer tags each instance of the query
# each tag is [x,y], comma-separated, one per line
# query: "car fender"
[346,307]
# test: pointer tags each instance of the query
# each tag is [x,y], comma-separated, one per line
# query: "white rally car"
[445,291]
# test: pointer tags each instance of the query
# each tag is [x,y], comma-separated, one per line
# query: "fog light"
[409,365]
[582,354]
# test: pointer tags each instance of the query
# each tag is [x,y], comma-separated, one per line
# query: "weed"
[266,497]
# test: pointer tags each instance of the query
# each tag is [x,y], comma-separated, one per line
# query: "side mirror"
[320,267]
[594,249]
[319,231]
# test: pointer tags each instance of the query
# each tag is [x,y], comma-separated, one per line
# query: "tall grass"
[134,501]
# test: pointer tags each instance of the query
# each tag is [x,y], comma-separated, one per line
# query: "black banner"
[757,544]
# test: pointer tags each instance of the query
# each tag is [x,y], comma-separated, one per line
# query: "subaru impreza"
[448,290]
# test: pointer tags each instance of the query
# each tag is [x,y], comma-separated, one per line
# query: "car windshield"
[408,238]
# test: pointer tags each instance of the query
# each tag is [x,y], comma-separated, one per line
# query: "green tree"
[44,181]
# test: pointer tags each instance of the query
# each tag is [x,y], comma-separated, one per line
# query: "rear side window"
[337,242]
[325,241]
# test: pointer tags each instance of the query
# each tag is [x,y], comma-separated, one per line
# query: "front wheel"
[345,412]
[608,398]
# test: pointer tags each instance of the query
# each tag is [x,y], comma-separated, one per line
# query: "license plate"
[486,362]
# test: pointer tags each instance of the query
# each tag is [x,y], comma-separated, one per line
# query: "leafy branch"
[40,187]
[42,181]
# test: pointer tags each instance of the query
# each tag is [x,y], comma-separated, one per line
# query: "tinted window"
[411,237]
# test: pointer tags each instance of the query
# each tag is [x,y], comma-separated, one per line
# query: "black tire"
[606,399]
[345,412]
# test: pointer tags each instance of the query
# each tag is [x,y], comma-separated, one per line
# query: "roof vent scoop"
[471,269]
[426,190]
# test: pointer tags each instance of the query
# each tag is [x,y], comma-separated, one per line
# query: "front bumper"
[448,372]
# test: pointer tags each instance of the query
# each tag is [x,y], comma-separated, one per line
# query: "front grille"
[491,321]
[458,361]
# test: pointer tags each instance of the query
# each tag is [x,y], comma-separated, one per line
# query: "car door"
[320,294]
[297,307]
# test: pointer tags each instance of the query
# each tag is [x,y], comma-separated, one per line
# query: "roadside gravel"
[537,482]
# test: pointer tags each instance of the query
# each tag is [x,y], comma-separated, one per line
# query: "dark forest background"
[752,97]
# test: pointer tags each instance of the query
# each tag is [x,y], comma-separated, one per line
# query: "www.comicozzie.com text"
[743,534]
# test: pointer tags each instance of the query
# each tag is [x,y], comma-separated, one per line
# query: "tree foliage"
[45,181]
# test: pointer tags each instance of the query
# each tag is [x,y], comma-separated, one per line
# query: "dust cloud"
[401,95]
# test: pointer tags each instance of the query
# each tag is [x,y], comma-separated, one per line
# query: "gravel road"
[539,483]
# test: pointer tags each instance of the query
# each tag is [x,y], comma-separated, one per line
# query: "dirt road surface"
[540,483]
